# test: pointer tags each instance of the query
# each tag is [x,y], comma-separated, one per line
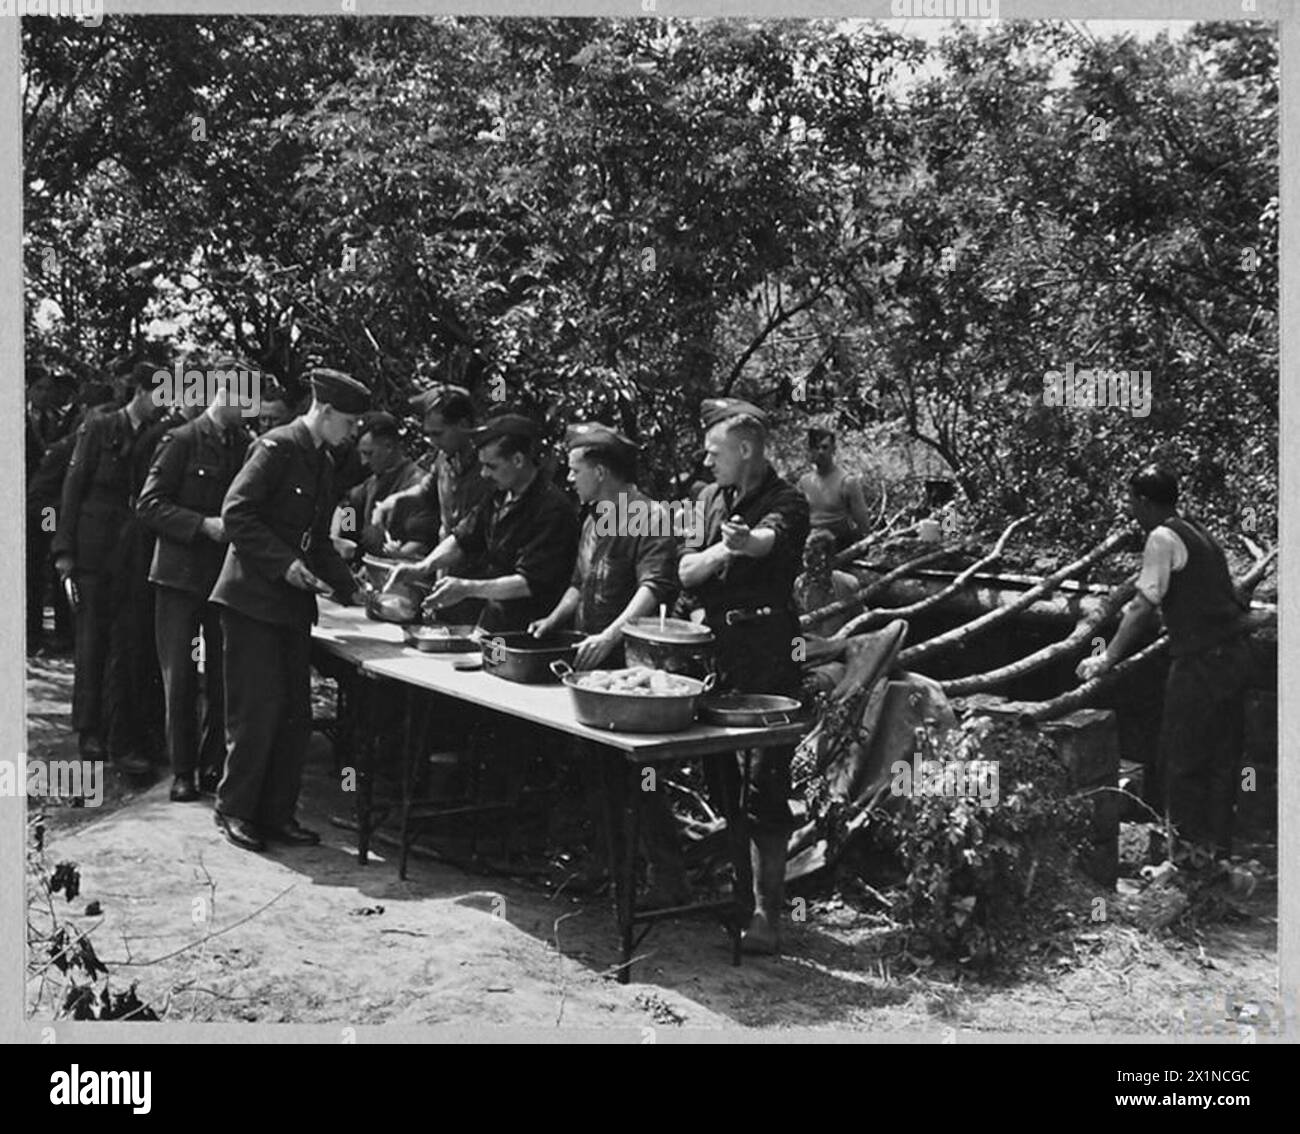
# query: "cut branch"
[965,632]
[858,597]
[1076,640]
[1086,693]
[872,618]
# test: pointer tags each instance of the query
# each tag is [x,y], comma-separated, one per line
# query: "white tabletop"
[377,649]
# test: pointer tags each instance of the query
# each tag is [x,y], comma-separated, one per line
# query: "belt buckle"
[733,616]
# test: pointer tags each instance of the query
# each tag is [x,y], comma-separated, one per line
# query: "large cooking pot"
[676,645]
[632,712]
[523,658]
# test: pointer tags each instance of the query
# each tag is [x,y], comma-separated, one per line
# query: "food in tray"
[639,681]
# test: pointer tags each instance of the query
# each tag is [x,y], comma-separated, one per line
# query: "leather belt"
[748,614]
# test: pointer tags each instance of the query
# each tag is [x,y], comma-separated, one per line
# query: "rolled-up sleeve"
[547,558]
[1163,554]
[656,560]
[788,517]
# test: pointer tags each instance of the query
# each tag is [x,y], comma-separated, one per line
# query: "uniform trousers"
[267,671]
[178,617]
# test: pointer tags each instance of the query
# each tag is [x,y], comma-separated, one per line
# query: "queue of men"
[232,538]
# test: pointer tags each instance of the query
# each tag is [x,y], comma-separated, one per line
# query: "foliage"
[56,944]
[617,218]
[971,865]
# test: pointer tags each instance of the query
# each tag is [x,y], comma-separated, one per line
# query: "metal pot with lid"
[672,644]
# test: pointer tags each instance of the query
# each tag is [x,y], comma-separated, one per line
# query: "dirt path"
[309,936]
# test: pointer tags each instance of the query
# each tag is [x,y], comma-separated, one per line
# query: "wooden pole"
[968,630]
[1072,643]
[1087,692]
[858,597]
[881,615]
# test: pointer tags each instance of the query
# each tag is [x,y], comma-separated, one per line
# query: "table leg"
[364,751]
[410,760]
[631,838]
[613,785]
[725,785]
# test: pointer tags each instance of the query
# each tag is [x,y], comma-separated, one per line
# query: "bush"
[972,866]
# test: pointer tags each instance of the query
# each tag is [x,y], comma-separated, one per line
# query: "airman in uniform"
[276,516]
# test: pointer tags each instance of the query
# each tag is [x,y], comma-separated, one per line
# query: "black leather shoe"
[293,834]
[183,789]
[237,831]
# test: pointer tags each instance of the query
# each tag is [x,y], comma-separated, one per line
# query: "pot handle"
[561,668]
[775,718]
[710,679]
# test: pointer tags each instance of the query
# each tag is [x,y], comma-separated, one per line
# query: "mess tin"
[442,639]
[399,603]
[674,645]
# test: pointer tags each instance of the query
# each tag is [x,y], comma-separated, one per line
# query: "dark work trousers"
[178,615]
[42,581]
[267,669]
[133,688]
[756,657]
[92,625]
[1201,736]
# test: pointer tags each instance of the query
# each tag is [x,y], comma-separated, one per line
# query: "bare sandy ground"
[212,933]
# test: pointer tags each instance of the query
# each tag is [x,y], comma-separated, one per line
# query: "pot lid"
[674,631]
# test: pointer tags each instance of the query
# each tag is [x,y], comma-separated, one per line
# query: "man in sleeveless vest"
[1185,575]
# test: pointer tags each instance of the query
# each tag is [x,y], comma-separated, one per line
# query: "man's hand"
[735,535]
[297,575]
[392,547]
[448,592]
[405,572]
[214,529]
[383,512]
[594,649]
[540,627]
[65,565]
[1092,667]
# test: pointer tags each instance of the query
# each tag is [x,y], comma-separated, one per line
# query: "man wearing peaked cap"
[505,425]
[525,534]
[276,516]
[626,569]
[714,410]
[755,527]
[340,391]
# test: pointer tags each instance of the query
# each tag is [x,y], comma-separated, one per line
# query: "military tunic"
[94,526]
[192,468]
[277,510]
